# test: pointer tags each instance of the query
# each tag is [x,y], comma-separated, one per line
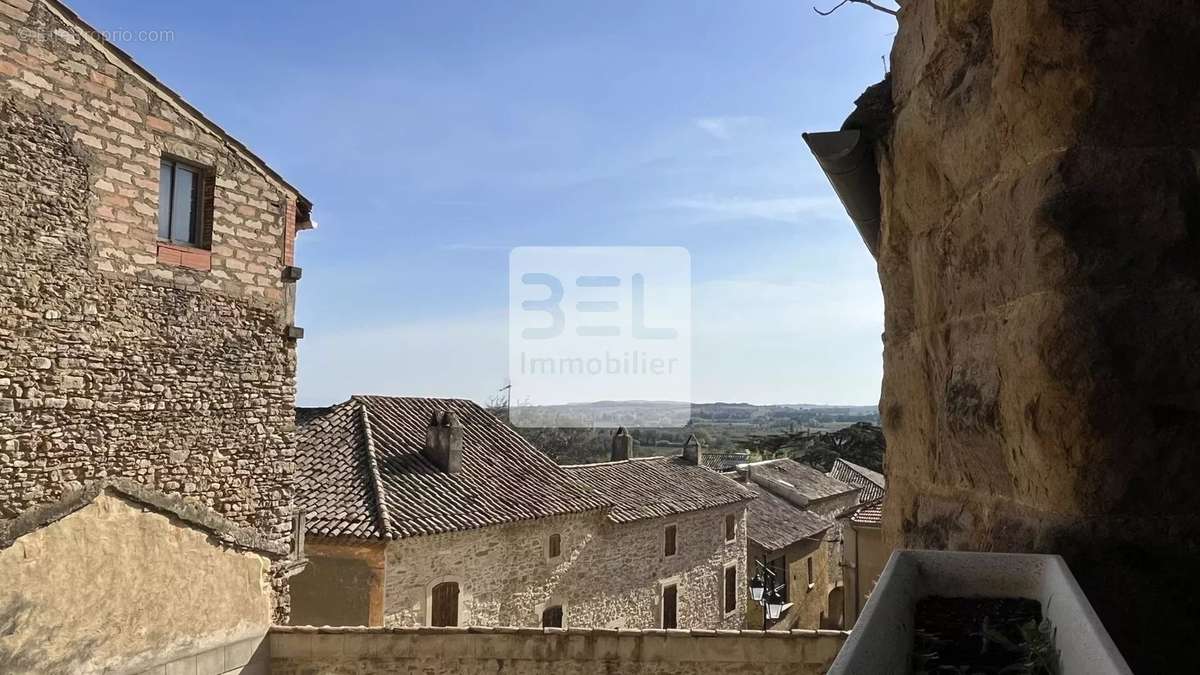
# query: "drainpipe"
[848,159]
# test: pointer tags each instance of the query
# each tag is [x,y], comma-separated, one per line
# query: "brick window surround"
[184,256]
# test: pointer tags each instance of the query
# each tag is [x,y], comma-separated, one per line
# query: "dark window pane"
[730,527]
[555,545]
[445,605]
[731,589]
[669,544]
[164,200]
[183,213]
[670,610]
[552,617]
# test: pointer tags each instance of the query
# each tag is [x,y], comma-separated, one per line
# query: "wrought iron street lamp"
[766,590]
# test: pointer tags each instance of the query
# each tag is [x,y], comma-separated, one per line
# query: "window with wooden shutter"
[555,546]
[669,541]
[730,527]
[552,617]
[670,607]
[731,588]
[444,602]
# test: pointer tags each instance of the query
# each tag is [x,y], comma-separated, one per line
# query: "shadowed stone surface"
[1040,261]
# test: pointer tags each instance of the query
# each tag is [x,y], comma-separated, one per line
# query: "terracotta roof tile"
[873,486]
[653,487]
[381,485]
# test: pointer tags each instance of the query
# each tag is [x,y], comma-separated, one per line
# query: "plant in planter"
[949,612]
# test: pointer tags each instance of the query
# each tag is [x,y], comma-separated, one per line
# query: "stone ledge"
[557,632]
[202,517]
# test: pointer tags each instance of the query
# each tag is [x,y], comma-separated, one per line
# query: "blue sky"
[435,136]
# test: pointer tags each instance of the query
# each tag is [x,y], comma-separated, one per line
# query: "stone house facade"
[146,285]
[486,530]
[864,553]
[794,529]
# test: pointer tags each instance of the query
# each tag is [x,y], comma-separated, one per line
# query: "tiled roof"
[362,472]
[807,481]
[652,487]
[870,515]
[873,485]
[872,482]
[724,461]
[774,523]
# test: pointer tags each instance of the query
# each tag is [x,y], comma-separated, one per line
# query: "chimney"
[444,441]
[693,452]
[622,445]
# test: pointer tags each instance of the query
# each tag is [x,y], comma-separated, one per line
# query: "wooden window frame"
[730,528]
[670,540]
[462,596]
[201,206]
[554,546]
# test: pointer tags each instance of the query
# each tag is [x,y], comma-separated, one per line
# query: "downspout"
[848,160]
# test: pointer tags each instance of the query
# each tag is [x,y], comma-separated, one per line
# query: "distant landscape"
[765,430]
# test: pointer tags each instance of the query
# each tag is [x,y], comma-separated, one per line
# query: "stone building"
[434,512]
[793,530]
[864,553]
[145,285]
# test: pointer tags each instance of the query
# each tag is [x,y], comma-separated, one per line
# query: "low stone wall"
[519,651]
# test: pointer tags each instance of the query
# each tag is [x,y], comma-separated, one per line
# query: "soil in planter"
[982,635]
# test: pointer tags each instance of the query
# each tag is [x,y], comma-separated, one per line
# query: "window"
[669,541]
[554,547]
[444,605]
[730,527]
[731,588]
[670,609]
[808,562]
[184,197]
[552,617]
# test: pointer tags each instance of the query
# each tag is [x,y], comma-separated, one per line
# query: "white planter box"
[881,642]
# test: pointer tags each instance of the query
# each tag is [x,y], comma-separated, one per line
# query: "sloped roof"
[805,480]
[873,486]
[774,523]
[362,472]
[653,487]
[724,461]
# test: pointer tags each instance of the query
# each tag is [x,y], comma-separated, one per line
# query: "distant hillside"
[721,427]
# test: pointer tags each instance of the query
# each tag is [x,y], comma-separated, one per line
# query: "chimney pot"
[444,441]
[693,452]
[622,445]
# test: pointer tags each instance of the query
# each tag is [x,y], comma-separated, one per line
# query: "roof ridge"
[376,483]
[619,461]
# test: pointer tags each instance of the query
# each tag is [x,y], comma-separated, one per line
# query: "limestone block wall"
[608,574]
[115,359]
[1041,233]
[430,651]
[114,587]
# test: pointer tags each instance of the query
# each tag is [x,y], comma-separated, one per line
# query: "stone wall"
[429,651]
[608,575]
[809,605]
[1041,232]
[117,359]
[114,587]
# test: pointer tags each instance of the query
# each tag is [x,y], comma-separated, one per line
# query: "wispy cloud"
[723,128]
[784,209]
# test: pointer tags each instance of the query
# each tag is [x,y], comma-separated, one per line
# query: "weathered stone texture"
[113,363]
[146,588]
[607,576]
[429,651]
[1039,265]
